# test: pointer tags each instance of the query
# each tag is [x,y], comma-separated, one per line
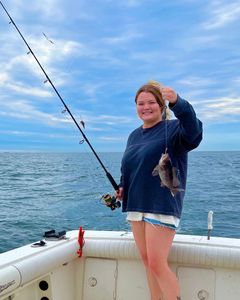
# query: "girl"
[153,210]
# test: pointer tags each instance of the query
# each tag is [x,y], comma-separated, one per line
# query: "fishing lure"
[48,38]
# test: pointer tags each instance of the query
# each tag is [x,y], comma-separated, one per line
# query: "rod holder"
[210,223]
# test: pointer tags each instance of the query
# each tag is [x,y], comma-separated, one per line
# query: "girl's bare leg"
[138,229]
[158,244]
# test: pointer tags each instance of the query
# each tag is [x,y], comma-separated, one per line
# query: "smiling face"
[148,109]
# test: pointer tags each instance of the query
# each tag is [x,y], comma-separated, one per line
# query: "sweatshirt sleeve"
[189,133]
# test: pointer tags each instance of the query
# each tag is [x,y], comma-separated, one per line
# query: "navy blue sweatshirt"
[142,192]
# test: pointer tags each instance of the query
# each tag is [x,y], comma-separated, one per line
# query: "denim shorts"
[171,222]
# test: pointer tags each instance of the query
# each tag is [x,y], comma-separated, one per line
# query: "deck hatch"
[197,283]
[99,279]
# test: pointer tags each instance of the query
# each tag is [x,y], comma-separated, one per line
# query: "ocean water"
[62,191]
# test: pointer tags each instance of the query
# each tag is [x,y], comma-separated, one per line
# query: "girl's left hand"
[169,94]
[119,194]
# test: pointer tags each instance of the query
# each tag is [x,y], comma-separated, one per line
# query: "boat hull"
[110,268]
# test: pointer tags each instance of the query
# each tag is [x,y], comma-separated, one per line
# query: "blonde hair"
[154,87]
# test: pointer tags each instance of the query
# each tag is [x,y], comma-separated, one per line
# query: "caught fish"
[167,174]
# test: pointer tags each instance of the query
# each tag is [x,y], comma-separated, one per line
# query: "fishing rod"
[109,176]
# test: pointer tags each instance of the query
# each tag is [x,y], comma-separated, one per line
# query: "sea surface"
[62,191]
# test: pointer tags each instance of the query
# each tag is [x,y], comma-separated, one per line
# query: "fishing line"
[164,118]
[109,176]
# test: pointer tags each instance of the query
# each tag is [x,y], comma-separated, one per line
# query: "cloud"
[109,119]
[113,139]
[123,38]
[16,133]
[195,81]
[26,90]
[37,134]
[17,68]
[222,14]
[91,89]
[222,110]
[45,8]
[100,61]
[237,80]
[48,8]
[4,77]
[23,110]
[204,40]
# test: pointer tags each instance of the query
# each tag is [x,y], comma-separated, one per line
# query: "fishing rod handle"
[112,181]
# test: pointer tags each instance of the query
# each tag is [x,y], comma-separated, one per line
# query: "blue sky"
[102,52]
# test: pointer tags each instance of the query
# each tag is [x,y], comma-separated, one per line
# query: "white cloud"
[237,80]
[226,106]
[22,109]
[37,134]
[204,40]
[91,89]
[49,8]
[17,132]
[195,81]
[220,110]
[110,120]
[113,56]
[45,8]
[123,38]
[14,64]
[27,90]
[113,139]
[4,77]
[222,14]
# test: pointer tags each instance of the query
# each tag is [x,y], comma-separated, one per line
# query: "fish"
[168,174]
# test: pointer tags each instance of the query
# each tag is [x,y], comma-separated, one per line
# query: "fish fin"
[155,171]
[175,191]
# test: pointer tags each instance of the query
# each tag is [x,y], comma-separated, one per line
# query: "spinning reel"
[110,201]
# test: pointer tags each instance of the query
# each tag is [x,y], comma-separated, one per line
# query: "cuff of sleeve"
[178,107]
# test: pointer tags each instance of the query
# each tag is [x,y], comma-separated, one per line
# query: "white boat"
[110,268]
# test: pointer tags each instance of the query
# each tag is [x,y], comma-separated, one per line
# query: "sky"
[98,53]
